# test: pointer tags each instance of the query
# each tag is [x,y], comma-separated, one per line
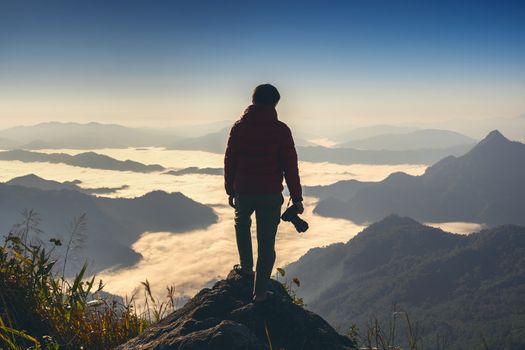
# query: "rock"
[224,317]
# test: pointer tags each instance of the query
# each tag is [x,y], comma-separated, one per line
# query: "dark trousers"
[267,208]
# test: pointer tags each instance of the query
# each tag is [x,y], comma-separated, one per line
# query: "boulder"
[224,317]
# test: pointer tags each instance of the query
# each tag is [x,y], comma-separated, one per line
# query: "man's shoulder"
[279,124]
[282,125]
[284,128]
[236,125]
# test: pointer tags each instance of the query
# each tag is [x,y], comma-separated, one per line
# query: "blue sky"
[168,62]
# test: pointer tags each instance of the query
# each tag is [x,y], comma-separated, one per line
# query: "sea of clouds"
[188,261]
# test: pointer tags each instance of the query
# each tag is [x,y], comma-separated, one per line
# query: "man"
[260,152]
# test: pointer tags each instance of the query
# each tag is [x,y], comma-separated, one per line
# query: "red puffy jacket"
[260,151]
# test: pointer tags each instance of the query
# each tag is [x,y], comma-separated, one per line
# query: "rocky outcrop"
[224,317]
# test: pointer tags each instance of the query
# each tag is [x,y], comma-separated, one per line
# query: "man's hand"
[300,207]
[231,201]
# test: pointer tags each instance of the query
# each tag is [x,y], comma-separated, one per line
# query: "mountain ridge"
[413,140]
[34,181]
[85,159]
[117,222]
[475,187]
[435,276]
[91,135]
[347,156]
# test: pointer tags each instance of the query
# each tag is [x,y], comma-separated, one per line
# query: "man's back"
[260,150]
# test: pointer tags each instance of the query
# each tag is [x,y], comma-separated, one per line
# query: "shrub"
[42,310]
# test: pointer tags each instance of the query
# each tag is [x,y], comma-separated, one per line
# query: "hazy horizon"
[319,133]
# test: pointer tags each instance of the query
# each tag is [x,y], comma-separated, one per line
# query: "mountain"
[513,127]
[459,287]
[196,170]
[341,190]
[214,142]
[224,317]
[419,139]
[113,225]
[86,160]
[484,186]
[7,143]
[85,136]
[355,156]
[34,181]
[197,130]
[371,131]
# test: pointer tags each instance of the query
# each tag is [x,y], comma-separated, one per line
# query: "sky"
[164,63]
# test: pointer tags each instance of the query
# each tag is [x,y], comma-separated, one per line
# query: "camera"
[291,215]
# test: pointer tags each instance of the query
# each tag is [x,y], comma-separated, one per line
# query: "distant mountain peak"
[494,136]
[391,226]
[493,141]
[29,176]
[396,220]
[35,181]
[399,176]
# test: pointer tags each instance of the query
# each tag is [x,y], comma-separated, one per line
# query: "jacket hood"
[259,114]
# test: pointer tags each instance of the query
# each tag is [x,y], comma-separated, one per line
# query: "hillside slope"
[458,287]
[485,186]
[113,225]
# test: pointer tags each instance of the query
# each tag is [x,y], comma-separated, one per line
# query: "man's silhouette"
[260,152]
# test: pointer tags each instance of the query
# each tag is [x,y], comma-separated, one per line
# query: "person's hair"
[266,94]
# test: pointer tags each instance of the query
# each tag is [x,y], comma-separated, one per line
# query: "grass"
[378,336]
[154,309]
[9,336]
[42,309]
[291,286]
[53,309]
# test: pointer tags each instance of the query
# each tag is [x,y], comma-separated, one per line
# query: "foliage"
[9,336]
[353,333]
[57,312]
[155,309]
[466,289]
[400,330]
[291,286]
